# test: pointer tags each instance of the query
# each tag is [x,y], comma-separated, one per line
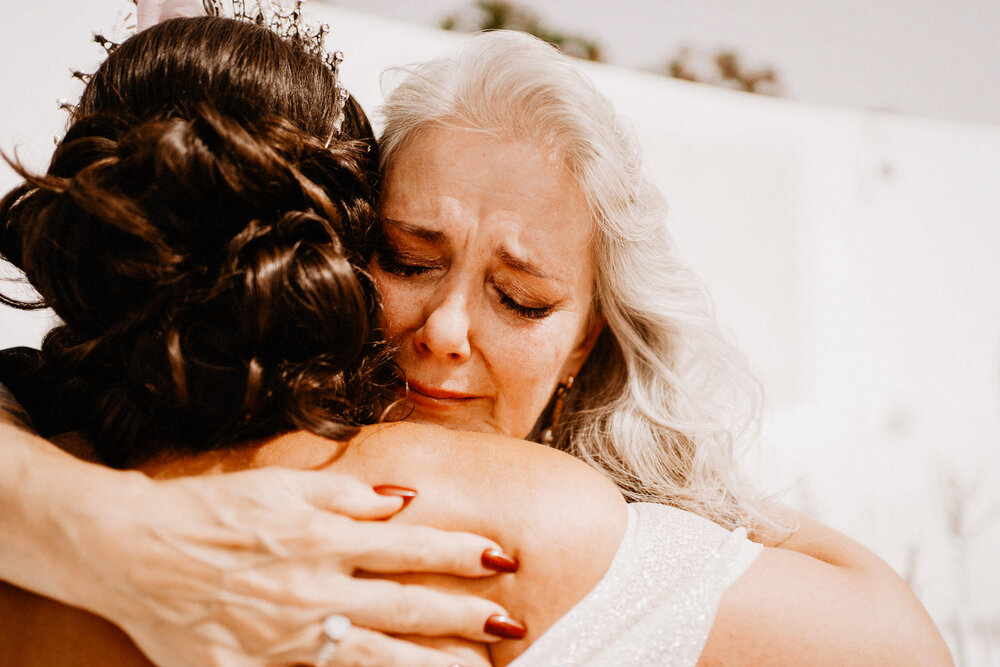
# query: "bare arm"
[29,557]
[817,540]
[232,569]
[822,598]
[852,561]
[35,476]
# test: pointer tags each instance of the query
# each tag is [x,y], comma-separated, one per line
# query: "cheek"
[401,302]
[527,368]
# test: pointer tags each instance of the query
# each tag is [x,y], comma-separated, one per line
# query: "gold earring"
[548,435]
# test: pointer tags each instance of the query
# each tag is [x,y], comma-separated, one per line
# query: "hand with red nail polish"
[306,578]
[505,626]
[396,491]
[498,561]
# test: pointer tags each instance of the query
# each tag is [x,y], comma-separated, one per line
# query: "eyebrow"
[416,230]
[504,255]
[524,266]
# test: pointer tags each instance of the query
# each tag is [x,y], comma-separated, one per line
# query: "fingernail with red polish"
[498,561]
[504,626]
[399,491]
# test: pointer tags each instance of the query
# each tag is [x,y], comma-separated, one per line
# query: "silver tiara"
[286,22]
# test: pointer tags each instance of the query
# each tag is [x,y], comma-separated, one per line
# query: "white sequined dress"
[656,603]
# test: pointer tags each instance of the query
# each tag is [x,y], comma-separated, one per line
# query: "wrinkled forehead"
[452,178]
[417,147]
[455,156]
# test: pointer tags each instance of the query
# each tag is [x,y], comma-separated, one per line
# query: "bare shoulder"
[524,484]
[559,517]
[522,494]
[790,609]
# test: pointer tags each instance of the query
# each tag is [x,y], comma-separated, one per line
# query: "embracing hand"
[242,568]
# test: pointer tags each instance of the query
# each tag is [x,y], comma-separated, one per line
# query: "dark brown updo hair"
[201,232]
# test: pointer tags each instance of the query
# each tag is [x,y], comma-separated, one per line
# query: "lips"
[435,397]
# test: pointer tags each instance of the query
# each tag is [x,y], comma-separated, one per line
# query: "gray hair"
[660,404]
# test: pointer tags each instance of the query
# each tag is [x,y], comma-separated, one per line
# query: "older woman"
[512,260]
[526,271]
[526,275]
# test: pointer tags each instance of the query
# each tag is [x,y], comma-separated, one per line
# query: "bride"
[600,582]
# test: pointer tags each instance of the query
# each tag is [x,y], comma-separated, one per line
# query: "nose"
[445,329]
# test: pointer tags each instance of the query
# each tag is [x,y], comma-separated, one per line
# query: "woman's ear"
[592,331]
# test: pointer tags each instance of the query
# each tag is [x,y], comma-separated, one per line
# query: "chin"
[455,422]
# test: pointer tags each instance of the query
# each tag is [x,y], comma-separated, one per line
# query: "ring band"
[334,628]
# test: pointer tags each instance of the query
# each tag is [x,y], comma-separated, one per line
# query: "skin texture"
[539,510]
[157,557]
[486,278]
[540,505]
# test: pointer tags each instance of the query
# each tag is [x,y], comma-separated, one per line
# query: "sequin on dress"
[656,603]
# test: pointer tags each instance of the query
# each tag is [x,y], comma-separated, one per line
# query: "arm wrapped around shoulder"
[208,271]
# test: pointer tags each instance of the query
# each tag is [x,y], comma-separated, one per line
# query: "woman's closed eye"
[521,310]
[524,311]
[403,264]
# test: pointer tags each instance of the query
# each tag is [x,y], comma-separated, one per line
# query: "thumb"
[343,494]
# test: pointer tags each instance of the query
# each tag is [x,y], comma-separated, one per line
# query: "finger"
[409,609]
[379,604]
[361,647]
[343,494]
[389,548]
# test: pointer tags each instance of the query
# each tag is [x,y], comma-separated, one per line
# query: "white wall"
[853,255]
[938,58]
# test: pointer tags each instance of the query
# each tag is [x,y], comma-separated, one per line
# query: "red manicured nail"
[399,491]
[504,626]
[498,561]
